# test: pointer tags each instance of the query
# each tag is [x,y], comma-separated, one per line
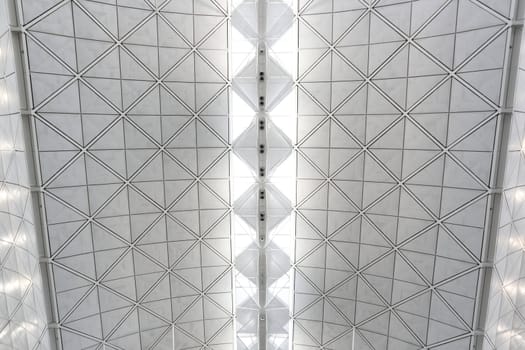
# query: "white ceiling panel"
[130,100]
[398,111]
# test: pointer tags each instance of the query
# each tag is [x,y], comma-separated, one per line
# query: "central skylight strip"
[263,172]
[249,286]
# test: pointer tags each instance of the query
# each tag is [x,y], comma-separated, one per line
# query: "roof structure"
[272,174]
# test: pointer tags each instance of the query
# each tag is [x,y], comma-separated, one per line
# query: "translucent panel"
[245,170]
[23,299]
[504,325]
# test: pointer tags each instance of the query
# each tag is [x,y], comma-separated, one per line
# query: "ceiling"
[134,158]
[394,109]
[397,117]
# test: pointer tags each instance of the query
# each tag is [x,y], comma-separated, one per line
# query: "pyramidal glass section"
[245,171]
[264,169]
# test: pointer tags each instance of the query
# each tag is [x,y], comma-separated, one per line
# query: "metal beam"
[262,155]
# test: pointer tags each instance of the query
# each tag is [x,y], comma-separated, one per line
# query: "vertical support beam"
[262,152]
